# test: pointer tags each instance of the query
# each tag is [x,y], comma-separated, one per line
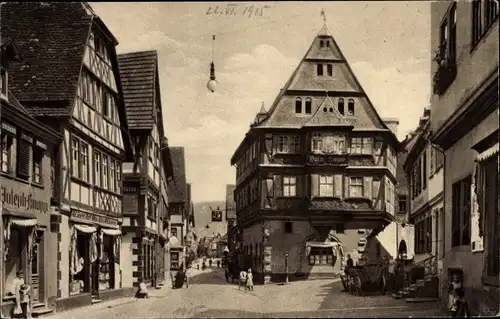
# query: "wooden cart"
[367,278]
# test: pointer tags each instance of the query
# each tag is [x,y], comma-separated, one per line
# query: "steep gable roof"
[139,74]
[177,187]
[51,37]
[304,82]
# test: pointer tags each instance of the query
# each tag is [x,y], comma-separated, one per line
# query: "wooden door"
[37,270]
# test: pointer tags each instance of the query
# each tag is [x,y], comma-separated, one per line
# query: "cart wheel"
[383,284]
[344,284]
[359,286]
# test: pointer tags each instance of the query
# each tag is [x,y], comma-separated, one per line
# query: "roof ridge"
[145,52]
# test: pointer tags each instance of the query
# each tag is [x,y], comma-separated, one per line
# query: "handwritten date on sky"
[233,9]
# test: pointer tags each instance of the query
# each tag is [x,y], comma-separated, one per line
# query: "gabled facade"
[317,172]
[143,223]
[179,208]
[464,124]
[70,81]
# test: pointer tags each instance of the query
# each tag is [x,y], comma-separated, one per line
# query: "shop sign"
[19,199]
[93,218]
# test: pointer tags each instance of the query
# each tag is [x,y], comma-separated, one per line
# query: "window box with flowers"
[445,73]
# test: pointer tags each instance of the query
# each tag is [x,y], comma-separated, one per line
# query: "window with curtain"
[289,186]
[356,187]
[460,212]
[8,151]
[326,186]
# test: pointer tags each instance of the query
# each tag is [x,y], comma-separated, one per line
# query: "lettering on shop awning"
[93,218]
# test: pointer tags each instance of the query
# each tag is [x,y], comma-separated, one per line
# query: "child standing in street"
[455,285]
[250,280]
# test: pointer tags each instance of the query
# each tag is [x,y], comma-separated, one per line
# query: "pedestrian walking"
[250,280]
[243,280]
[218,263]
[210,263]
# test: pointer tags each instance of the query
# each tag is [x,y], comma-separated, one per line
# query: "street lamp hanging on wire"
[212,83]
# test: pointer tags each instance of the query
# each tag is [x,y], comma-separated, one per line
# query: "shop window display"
[15,257]
[107,264]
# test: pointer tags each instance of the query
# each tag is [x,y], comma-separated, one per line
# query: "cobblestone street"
[209,296]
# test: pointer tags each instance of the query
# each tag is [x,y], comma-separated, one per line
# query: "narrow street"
[209,296]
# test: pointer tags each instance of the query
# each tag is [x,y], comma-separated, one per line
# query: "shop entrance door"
[37,271]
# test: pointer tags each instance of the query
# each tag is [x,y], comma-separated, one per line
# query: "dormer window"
[319,69]
[341,106]
[331,110]
[321,44]
[327,44]
[308,105]
[329,69]
[298,105]
[350,107]
[3,82]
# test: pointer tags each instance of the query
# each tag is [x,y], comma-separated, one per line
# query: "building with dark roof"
[179,207]
[144,178]
[28,149]
[318,166]
[69,80]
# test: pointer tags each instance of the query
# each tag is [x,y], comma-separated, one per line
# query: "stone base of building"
[82,300]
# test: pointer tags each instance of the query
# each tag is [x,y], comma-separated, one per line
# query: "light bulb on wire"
[212,83]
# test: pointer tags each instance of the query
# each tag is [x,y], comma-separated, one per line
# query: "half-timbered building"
[464,125]
[143,178]
[316,173]
[70,81]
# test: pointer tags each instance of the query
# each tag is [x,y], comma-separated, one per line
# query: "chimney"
[392,124]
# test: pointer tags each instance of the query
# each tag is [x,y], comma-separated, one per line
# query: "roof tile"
[177,187]
[51,38]
[138,73]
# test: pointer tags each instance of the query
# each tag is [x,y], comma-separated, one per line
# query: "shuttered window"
[460,212]
[23,159]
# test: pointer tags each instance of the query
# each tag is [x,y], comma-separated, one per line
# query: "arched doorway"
[402,250]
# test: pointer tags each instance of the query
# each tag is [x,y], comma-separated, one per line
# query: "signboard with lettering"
[23,200]
[326,159]
[93,218]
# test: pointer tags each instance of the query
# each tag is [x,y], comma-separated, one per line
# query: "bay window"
[288,144]
[362,145]
[289,186]
[356,187]
[326,185]
[328,143]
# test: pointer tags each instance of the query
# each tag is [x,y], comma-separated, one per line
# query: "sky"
[387,45]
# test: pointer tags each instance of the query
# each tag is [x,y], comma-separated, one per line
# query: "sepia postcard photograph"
[259,159]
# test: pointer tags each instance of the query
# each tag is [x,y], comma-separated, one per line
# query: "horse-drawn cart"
[366,278]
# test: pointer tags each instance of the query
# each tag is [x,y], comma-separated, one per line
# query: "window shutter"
[274,148]
[367,187]
[376,193]
[301,186]
[337,184]
[346,186]
[278,185]
[23,164]
[314,185]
